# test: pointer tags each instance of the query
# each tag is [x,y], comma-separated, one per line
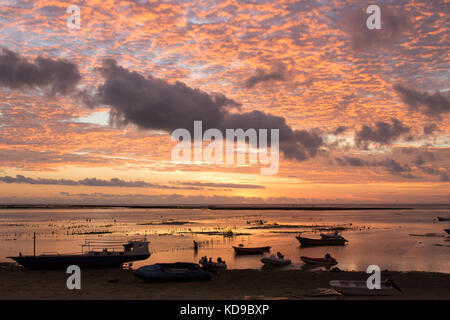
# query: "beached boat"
[443,218]
[359,288]
[278,260]
[99,254]
[167,272]
[318,261]
[247,250]
[447,230]
[335,241]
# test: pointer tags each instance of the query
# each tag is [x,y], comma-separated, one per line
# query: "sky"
[86,115]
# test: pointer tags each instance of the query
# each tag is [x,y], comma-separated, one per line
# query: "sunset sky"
[86,114]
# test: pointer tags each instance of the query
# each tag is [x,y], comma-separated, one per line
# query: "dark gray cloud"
[340,129]
[395,168]
[93,182]
[432,105]
[221,185]
[351,161]
[430,128]
[277,72]
[424,158]
[391,165]
[394,24]
[152,103]
[58,76]
[382,133]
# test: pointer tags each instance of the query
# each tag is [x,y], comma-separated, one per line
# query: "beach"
[17,283]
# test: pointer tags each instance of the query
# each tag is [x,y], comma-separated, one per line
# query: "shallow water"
[380,237]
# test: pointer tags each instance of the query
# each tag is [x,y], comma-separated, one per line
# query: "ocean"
[396,239]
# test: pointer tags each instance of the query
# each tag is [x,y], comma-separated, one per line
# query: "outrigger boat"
[94,254]
[447,230]
[244,250]
[359,288]
[443,218]
[328,240]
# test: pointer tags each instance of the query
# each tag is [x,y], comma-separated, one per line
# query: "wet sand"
[17,283]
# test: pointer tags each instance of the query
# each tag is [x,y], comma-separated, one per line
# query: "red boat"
[244,250]
[318,261]
[337,241]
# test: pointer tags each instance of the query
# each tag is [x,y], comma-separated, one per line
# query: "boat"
[169,272]
[443,218]
[99,254]
[247,250]
[210,265]
[318,261]
[359,288]
[447,230]
[275,260]
[335,241]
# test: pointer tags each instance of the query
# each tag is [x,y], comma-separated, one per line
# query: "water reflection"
[375,237]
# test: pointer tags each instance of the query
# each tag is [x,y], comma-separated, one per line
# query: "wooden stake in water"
[34,244]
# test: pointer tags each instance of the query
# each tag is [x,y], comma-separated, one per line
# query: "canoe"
[272,260]
[165,272]
[443,218]
[359,288]
[318,261]
[447,230]
[245,250]
[321,242]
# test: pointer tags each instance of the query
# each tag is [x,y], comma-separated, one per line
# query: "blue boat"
[165,272]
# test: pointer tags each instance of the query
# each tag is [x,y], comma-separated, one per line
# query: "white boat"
[276,261]
[359,288]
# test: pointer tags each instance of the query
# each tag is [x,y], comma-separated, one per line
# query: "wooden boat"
[359,288]
[247,250]
[338,241]
[100,254]
[447,230]
[318,261]
[443,218]
[172,272]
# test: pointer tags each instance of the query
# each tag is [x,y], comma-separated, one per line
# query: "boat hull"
[359,288]
[443,219]
[447,230]
[318,261]
[172,272]
[276,262]
[305,242]
[83,261]
[259,250]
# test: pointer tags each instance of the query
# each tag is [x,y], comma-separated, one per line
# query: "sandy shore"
[17,283]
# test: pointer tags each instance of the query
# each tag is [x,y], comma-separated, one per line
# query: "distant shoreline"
[211,207]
